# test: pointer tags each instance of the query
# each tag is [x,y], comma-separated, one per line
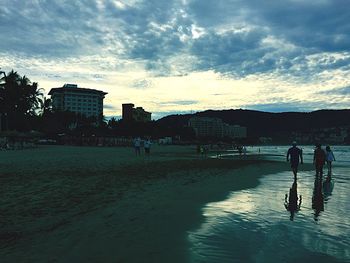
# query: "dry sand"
[86,204]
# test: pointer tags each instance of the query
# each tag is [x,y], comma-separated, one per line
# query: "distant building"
[70,97]
[235,131]
[331,135]
[127,113]
[207,127]
[215,127]
[135,114]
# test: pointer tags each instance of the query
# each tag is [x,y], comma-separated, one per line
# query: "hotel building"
[88,102]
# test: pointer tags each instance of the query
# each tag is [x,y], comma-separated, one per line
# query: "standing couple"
[145,143]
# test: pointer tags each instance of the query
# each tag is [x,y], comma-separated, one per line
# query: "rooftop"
[75,88]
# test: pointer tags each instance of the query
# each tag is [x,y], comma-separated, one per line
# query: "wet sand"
[85,204]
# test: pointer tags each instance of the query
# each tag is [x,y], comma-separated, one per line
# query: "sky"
[182,56]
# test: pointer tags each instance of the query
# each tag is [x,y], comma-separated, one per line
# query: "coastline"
[143,214]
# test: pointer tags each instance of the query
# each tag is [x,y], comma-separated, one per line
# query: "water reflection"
[291,202]
[317,197]
[328,185]
[251,225]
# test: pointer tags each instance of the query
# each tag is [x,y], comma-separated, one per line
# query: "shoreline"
[149,215]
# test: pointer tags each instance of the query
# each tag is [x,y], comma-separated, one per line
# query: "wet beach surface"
[254,225]
[176,207]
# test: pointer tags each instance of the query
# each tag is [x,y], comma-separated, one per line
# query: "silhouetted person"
[317,198]
[198,149]
[292,204]
[244,150]
[137,145]
[204,150]
[294,155]
[240,150]
[147,146]
[329,158]
[319,159]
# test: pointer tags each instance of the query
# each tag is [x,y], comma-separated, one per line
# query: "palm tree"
[21,99]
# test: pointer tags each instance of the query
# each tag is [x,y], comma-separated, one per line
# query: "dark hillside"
[266,123]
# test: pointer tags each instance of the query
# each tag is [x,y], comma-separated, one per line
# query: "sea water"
[255,225]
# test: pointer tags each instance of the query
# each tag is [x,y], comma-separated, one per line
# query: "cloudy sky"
[177,56]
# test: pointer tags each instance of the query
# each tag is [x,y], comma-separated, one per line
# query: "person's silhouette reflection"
[291,201]
[317,198]
[328,185]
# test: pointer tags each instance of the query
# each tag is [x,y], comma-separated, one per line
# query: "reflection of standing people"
[137,145]
[317,198]
[294,154]
[147,146]
[319,159]
[329,158]
[292,204]
[328,185]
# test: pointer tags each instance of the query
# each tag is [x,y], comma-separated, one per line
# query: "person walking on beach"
[294,154]
[319,160]
[329,158]
[137,145]
[147,146]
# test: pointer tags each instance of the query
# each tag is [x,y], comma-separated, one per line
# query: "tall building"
[70,97]
[135,114]
[127,111]
[215,127]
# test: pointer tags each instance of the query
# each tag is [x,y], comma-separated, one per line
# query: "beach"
[71,204]
[257,224]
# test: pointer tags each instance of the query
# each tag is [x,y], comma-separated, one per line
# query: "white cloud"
[220,54]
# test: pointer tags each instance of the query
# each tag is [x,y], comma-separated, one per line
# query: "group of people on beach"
[320,158]
[145,144]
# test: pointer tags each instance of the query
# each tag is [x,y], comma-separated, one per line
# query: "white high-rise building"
[88,102]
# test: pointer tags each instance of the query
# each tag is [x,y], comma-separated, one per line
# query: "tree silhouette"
[21,100]
[112,123]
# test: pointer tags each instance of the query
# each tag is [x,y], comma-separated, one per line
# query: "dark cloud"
[110,107]
[312,27]
[47,28]
[238,37]
[229,51]
[319,25]
[142,84]
[281,107]
[344,91]
[213,13]
[180,102]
